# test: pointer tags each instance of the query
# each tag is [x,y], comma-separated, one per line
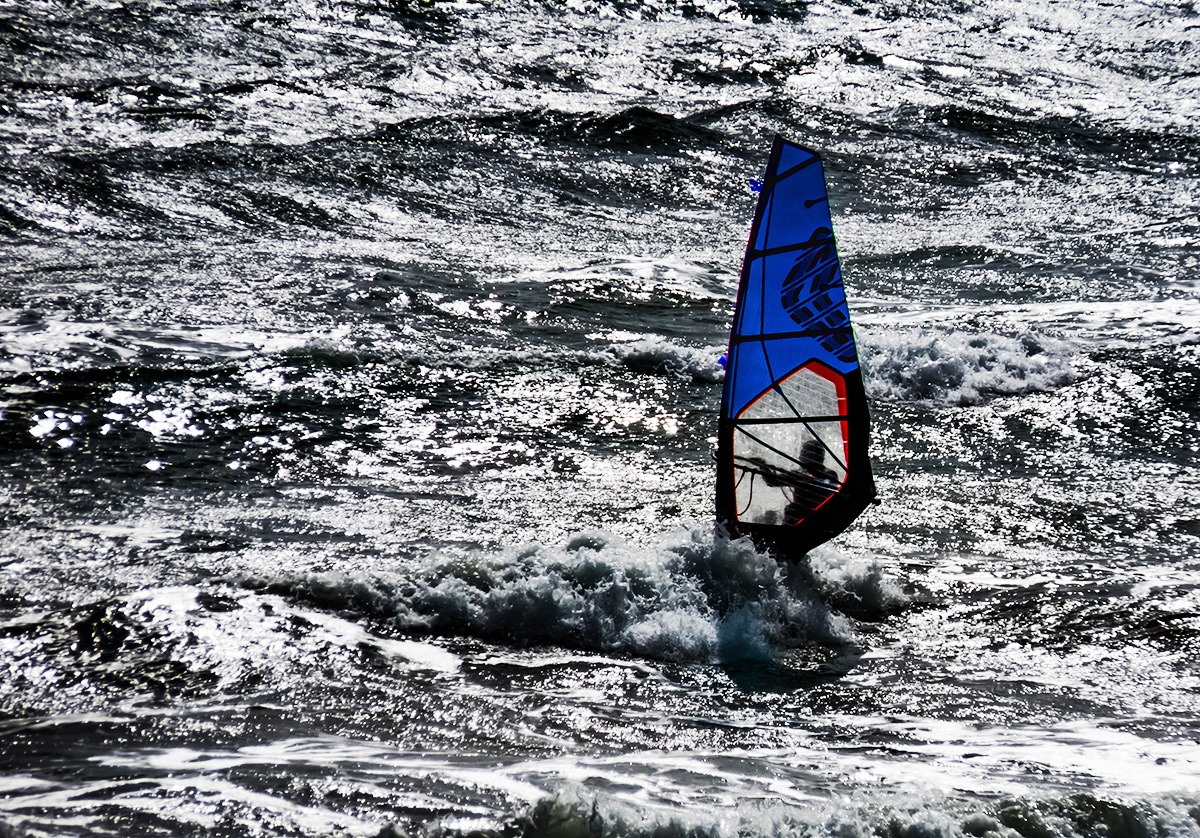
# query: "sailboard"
[793,468]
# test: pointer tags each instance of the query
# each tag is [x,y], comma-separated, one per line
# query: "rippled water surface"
[358,387]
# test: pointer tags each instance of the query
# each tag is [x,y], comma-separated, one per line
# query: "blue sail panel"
[760,364]
[793,155]
[802,192]
[792,446]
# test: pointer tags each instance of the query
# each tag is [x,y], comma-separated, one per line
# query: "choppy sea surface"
[358,388]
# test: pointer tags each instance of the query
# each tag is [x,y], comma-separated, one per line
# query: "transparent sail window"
[810,391]
[785,470]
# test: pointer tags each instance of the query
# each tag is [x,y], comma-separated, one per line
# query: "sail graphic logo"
[811,294]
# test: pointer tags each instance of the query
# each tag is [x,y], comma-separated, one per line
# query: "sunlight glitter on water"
[447,282]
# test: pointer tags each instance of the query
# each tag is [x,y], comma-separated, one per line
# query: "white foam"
[786,809]
[962,367]
[660,356]
[855,583]
[690,598]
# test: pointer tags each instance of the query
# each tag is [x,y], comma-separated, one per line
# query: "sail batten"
[775,251]
[793,468]
[841,330]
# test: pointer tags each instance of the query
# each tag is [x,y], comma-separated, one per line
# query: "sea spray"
[661,357]
[576,812]
[962,368]
[691,598]
[857,586]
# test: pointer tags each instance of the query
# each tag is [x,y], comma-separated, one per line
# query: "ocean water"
[358,389]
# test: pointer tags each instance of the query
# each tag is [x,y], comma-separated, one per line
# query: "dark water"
[357,392]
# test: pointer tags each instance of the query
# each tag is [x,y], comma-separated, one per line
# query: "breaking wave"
[694,598]
[855,586]
[961,368]
[658,356]
[576,813]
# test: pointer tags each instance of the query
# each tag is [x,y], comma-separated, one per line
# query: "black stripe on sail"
[782,420]
[755,253]
[816,158]
[845,331]
[769,447]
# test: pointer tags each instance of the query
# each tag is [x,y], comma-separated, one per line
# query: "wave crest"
[693,598]
[574,812]
[961,368]
[658,356]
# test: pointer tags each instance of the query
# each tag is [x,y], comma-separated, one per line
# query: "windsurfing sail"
[792,464]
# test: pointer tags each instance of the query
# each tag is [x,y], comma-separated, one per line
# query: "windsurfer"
[815,484]
[812,460]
